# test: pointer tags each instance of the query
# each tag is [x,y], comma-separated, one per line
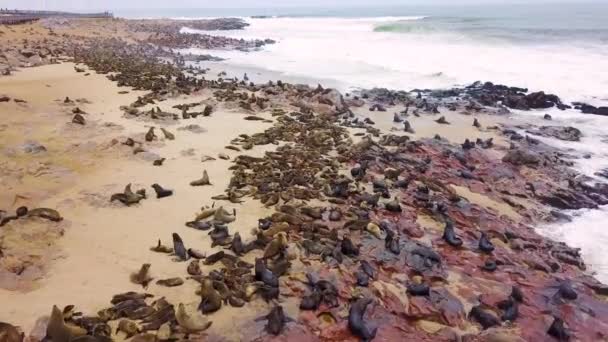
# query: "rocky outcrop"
[589,109]
[557,132]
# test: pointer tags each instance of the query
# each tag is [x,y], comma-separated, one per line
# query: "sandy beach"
[48,161]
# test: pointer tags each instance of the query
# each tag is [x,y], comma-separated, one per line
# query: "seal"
[489,266]
[558,330]
[422,290]
[159,162]
[391,242]
[142,277]
[199,225]
[486,319]
[262,273]
[161,192]
[196,254]
[211,300]
[449,235]
[362,278]
[160,248]
[190,323]
[79,120]
[276,246]
[237,245]
[59,331]
[171,282]
[393,206]
[484,244]
[356,322]
[178,247]
[9,333]
[566,291]
[510,309]
[46,213]
[442,121]
[348,247]
[476,123]
[150,135]
[128,327]
[407,127]
[168,135]
[194,268]
[397,118]
[276,320]
[203,181]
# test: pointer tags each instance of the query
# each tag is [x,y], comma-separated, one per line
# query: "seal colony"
[371,233]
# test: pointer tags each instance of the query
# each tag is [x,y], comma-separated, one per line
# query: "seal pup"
[9,333]
[194,268]
[128,327]
[78,119]
[510,309]
[58,330]
[397,118]
[168,135]
[178,247]
[159,162]
[161,192]
[191,323]
[391,242]
[356,322]
[558,330]
[476,123]
[407,127]
[486,319]
[420,289]
[442,121]
[485,245]
[128,197]
[203,181]
[276,320]
[150,135]
[171,282]
[265,275]
[211,300]
[237,244]
[449,235]
[276,246]
[160,248]
[348,247]
[142,277]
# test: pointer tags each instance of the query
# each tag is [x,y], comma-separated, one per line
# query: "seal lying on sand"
[142,277]
[202,181]
[127,197]
[161,192]
[191,323]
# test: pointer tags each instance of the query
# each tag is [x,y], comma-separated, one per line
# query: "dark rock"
[522,157]
[561,133]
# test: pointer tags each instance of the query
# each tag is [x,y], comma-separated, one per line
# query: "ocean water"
[561,49]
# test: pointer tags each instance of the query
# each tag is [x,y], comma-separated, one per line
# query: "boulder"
[522,157]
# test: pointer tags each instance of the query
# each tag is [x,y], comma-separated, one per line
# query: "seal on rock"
[357,323]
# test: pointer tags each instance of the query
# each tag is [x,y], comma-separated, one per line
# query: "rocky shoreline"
[373,234]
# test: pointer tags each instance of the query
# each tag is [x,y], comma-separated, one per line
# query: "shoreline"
[116,239]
